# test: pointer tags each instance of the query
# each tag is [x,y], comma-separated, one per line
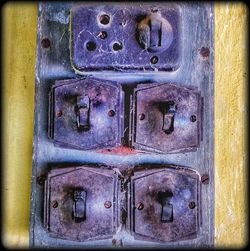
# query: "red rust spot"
[122,150]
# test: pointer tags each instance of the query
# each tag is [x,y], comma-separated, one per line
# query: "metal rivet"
[205,52]
[154,60]
[205,179]
[139,206]
[141,116]
[111,113]
[192,205]
[45,43]
[107,204]
[193,118]
[55,204]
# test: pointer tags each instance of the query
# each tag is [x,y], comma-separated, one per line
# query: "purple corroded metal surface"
[102,113]
[99,187]
[124,37]
[153,115]
[147,220]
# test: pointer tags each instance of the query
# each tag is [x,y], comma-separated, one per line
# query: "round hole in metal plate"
[90,46]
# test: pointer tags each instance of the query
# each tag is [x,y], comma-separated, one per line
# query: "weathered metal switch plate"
[123,136]
[85,113]
[165,204]
[157,127]
[125,37]
[61,206]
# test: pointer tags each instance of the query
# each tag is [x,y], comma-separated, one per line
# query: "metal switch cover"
[167,118]
[89,114]
[165,204]
[75,206]
[85,113]
[127,36]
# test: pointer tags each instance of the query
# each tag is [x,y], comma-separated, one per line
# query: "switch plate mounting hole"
[117,46]
[103,35]
[91,46]
[104,19]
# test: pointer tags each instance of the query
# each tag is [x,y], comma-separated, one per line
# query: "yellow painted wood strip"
[230,124]
[19,41]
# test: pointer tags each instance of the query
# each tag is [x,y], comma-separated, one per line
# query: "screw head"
[59,114]
[140,206]
[192,118]
[205,179]
[107,204]
[45,43]
[192,205]
[141,116]
[111,113]
[54,204]
[205,52]
[154,60]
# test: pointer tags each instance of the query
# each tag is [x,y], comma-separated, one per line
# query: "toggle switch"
[168,109]
[155,33]
[79,205]
[164,197]
[82,112]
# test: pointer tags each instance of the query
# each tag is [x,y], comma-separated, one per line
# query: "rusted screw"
[103,34]
[45,43]
[192,205]
[139,206]
[204,51]
[41,179]
[59,114]
[107,204]
[111,113]
[154,60]
[205,179]
[55,204]
[141,116]
[193,118]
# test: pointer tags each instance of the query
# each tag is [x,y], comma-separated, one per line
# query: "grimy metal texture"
[103,114]
[109,37]
[195,72]
[146,189]
[100,186]
[151,102]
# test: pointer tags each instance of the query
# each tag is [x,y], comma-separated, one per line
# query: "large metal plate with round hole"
[125,37]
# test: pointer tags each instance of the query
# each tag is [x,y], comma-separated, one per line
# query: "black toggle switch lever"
[164,197]
[168,110]
[82,112]
[79,205]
